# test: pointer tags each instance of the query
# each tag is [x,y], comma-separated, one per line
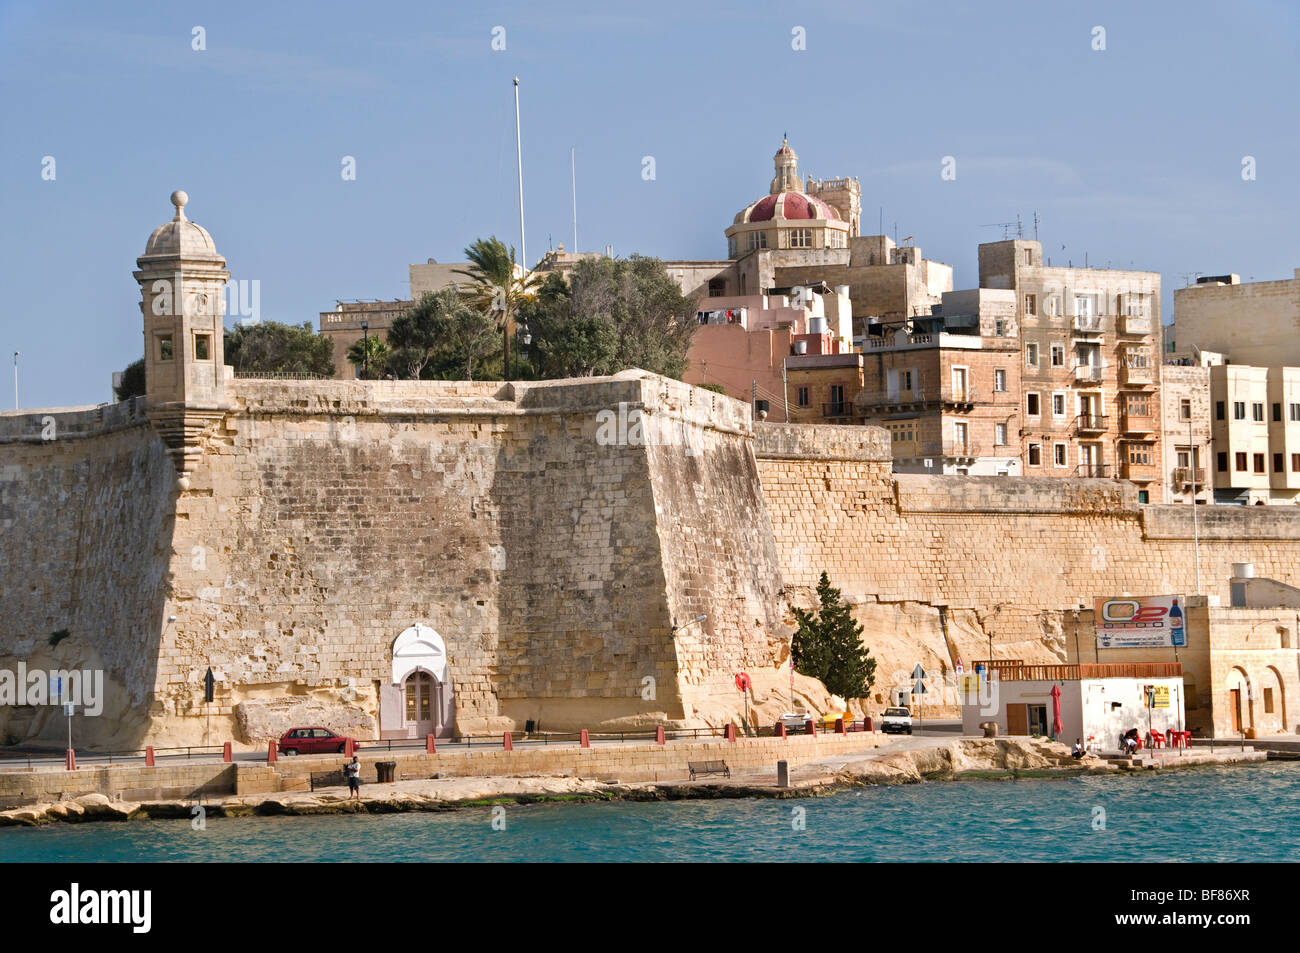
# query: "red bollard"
[811,726]
[226,754]
[659,735]
[507,742]
[584,739]
[780,729]
[730,733]
[868,725]
[272,752]
[70,762]
[839,727]
[429,746]
[148,756]
[349,747]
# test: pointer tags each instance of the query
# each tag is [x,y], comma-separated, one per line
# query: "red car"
[314,741]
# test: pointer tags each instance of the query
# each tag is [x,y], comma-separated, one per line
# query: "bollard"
[782,774]
[780,729]
[70,762]
[868,725]
[659,735]
[730,732]
[429,746]
[811,726]
[226,754]
[584,739]
[507,742]
[349,747]
[148,756]
[272,752]
[839,727]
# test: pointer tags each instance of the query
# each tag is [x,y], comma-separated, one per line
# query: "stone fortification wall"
[1001,555]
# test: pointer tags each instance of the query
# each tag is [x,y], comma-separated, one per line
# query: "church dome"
[787,206]
[180,238]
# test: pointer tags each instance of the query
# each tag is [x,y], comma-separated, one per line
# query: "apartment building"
[1090,368]
[1255,431]
[1255,323]
[1185,407]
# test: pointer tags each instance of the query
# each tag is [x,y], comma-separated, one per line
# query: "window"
[1139,454]
[1136,406]
[1058,404]
[1144,496]
[717,287]
[801,238]
[1218,410]
[1222,462]
[1031,355]
[1000,381]
[165,352]
[803,397]
[1035,455]
[1083,306]
[1238,410]
[1295,463]
[837,400]
[1295,411]
[202,347]
[1257,412]
[1059,454]
[1277,411]
[1184,410]
[1259,463]
[1184,459]
[1279,463]
[1031,404]
[1239,459]
[902,431]
[761,407]
[1058,355]
[905,380]
[1000,436]
[1031,304]
[999,328]
[757,240]
[1029,256]
[731,246]
[960,434]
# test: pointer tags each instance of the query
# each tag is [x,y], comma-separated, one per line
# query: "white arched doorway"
[419,701]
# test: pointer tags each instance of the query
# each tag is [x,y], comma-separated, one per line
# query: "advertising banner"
[1140,622]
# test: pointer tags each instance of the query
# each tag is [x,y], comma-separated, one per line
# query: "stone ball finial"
[179,199]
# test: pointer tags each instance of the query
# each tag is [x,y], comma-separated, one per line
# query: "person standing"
[352,771]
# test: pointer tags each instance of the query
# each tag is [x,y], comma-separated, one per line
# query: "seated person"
[1077,751]
[1131,740]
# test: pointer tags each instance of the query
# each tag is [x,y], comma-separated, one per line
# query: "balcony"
[1133,324]
[1136,375]
[837,408]
[1015,670]
[1089,373]
[1090,423]
[954,449]
[1086,325]
[1185,476]
[1141,472]
[918,399]
[1138,423]
[1092,470]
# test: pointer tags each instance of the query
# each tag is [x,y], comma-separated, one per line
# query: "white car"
[896,721]
[795,720]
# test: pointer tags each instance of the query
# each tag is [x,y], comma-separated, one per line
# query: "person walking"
[352,771]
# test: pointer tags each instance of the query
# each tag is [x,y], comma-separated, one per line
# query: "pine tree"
[828,645]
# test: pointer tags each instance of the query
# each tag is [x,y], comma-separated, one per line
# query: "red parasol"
[1057,726]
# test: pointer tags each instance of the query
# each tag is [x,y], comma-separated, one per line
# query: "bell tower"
[787,170]
[182,281]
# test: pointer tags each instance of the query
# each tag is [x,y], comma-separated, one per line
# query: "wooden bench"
[327,779]
[698,768]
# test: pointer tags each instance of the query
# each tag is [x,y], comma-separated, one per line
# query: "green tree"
[133,382]
[370,354]
[442,336]
[272,347]
[498,287]
[828,645]
[612,314]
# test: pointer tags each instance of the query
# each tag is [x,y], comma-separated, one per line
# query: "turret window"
[801,238]
[165,350]
[203,347]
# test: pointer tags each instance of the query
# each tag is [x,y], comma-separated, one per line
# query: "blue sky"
[1131,155]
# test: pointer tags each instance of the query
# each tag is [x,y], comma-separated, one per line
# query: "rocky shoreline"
[965,759]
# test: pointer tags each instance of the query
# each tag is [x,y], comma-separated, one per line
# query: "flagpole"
[519,158]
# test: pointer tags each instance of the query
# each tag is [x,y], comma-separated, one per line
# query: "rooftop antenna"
[1035,225]
[1189,277]
[1006,228]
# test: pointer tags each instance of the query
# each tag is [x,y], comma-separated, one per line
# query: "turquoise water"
[1208,815]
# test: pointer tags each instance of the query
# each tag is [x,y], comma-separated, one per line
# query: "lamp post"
[365,349]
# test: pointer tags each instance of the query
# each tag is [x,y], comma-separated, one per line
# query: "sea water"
[1215,814]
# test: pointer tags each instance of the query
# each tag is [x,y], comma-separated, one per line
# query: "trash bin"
[384,771]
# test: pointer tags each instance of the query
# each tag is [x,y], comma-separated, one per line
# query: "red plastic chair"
[1157,739]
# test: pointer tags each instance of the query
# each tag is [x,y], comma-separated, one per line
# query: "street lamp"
[687,625]
[365,350]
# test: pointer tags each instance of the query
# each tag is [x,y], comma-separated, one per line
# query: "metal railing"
[1015,670]
[967,395]
[281,376]
[1090,422]
[837,408]
[1086,324]
[1184,476]
[1089,372]
[1092,470]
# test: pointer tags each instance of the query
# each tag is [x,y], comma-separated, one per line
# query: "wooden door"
[1234,703]
[1017,720]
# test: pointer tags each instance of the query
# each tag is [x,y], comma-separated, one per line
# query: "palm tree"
[370,352]
[497,287]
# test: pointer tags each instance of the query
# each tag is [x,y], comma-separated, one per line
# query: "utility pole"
[1196,530]
[523,239]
